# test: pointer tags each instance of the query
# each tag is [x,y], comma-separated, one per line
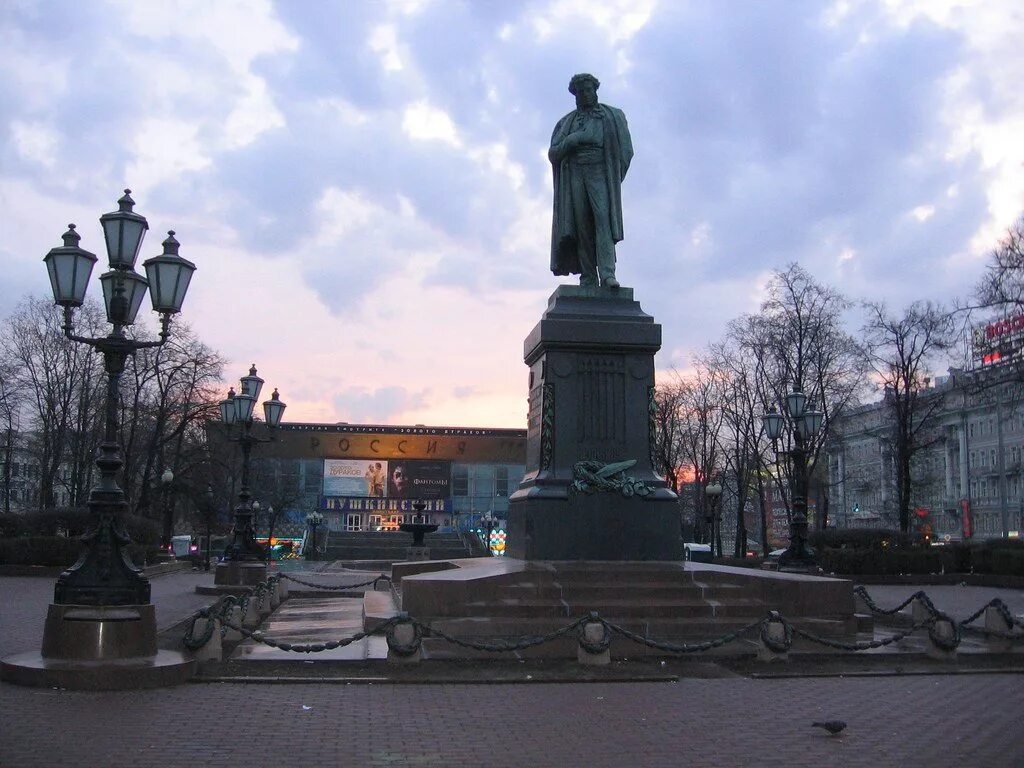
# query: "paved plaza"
[906,720]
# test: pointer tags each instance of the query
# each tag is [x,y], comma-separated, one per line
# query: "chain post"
[594,642]
[404,640]
[776,638]
[944,635]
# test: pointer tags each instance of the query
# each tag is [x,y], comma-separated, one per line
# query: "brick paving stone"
[956,720]
[934,721]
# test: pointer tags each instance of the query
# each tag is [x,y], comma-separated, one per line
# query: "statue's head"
[584,87]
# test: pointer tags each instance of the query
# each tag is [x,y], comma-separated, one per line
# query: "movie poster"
[419,479]
[355,477]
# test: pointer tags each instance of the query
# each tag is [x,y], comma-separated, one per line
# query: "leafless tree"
[798,339]
[668,422]
[903,351]
[1003,284]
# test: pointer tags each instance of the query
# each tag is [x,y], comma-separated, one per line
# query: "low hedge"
[994,556]
[72,522]
[878,539]
[59,551]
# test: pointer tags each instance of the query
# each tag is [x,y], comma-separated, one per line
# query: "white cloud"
[923,212]
[384,42]
[163,150]
[424,122]
[36,141]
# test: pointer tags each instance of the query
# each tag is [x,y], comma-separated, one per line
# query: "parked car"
[698,553]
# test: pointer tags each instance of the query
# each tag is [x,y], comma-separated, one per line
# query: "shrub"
[860,538]
[60,551]
[40,550]
[72,522]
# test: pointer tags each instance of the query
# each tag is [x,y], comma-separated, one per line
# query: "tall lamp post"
[488,522]
[209,524]
[244,557]
[314,520]
[713,491]
[803,425]
[104,575]
[165,483]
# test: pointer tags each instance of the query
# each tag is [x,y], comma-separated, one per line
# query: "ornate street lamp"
[165,482]
[803,425]
[101,622]
[314,520]
[104,575]
[488,521]
[713,491]
[244,559]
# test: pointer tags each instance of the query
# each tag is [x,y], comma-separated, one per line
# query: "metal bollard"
[213,650]
[946,632]
[996,622]
[404,636]
[594,635]
[264,607]
[234,616]
[860,605]
[252,617]
[918,612]
[776,632]
[274,596]
[282,590]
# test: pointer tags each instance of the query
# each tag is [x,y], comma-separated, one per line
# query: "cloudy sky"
[364,185]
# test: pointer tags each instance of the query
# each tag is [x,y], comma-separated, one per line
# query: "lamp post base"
[88,647]
[244,573]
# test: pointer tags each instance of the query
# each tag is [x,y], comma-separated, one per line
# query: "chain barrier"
[337,587]
[937,616]
[948,641]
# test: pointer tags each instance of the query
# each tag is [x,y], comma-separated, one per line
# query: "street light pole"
[168,532]
[104,574]
[313,520]
[244,557]
[84,641]
[804,425]
[713,491]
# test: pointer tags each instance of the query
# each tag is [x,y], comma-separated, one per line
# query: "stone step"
[613,609]
[579,591]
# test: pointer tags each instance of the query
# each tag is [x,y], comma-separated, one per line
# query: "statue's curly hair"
[583,77]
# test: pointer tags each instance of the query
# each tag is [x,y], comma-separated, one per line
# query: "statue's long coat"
[618,151]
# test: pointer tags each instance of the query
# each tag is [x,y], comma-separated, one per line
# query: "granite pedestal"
[591,399]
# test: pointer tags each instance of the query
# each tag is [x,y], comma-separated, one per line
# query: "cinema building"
[366,477]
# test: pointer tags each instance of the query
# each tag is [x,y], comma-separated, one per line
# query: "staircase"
[391,546]
[656,600]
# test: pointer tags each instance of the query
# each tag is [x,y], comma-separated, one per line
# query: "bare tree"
[55,375]
[1003,283]
[668,423]
[741,444]
[797,339]
[902,351]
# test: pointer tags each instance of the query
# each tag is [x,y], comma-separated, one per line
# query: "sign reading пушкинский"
[351,504]
[371,485]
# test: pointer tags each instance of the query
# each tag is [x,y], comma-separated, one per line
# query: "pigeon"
[832,726]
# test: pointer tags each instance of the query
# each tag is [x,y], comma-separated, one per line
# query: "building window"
[460,480]
[501,481]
